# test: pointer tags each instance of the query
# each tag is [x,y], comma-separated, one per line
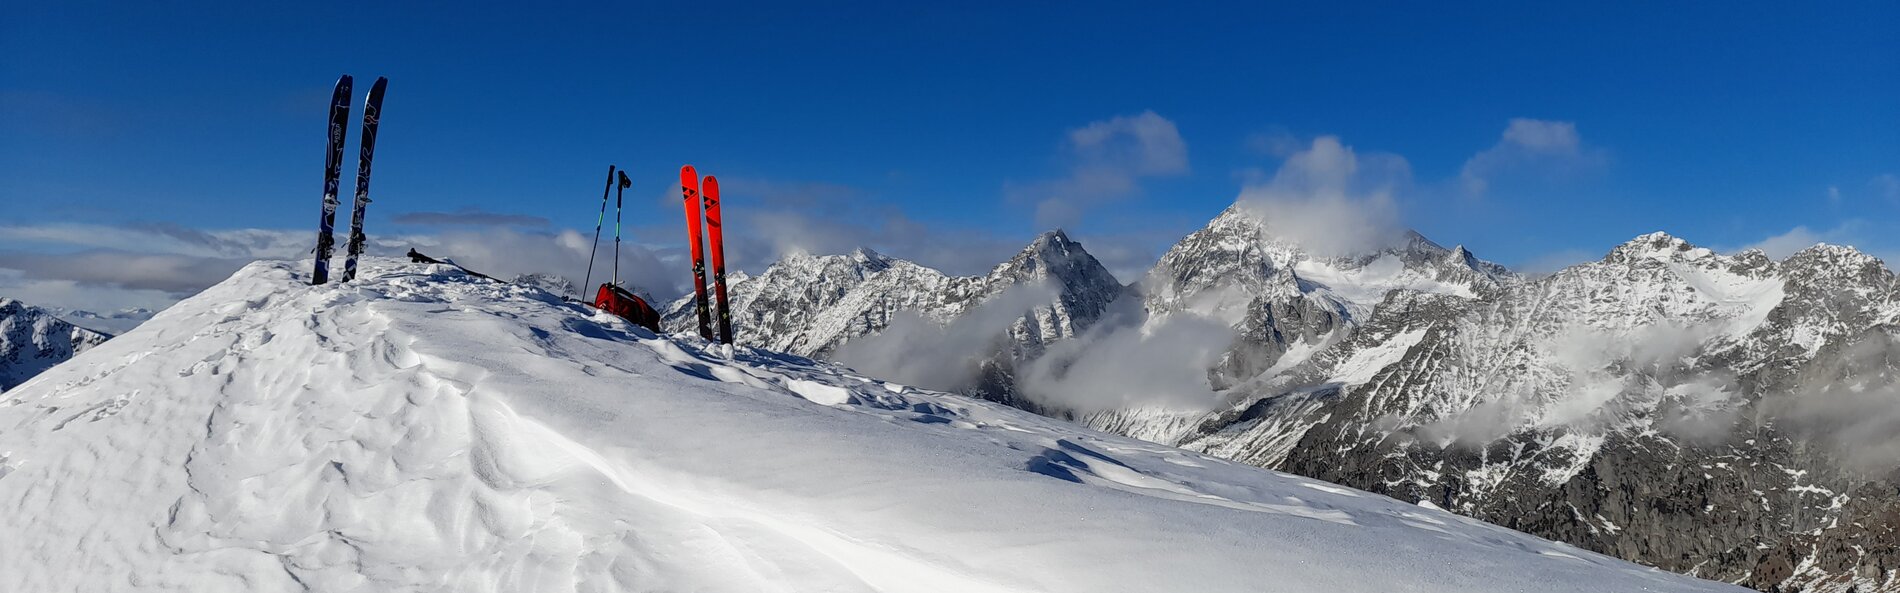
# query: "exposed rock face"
[1658,405]
[33,340]
[1721,415]
[814,305]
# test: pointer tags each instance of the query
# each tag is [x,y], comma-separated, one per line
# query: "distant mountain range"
[1719,415]
[34,339]
[114,323]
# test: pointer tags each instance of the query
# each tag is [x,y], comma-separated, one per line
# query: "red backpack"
[618,301]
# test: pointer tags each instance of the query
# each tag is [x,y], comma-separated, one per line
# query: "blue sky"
[950,135]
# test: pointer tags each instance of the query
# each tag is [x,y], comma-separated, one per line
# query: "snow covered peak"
[1658,246]
[34,339]
[1051,237]
[1840,258]
[1053,254]
[1049,245]
[420,428]
[811,305]
[868,256]
[1222,268]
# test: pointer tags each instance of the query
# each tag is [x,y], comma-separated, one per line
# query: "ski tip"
[687,170]
[710,186]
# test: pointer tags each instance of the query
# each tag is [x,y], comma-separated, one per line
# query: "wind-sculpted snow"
[421,429]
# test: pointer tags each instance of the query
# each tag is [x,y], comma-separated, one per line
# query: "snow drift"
[421,429]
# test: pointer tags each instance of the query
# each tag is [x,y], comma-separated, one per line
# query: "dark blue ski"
[372,113]
[332,169]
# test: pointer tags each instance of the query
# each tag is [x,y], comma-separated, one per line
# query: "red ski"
[716,241]
[689,194]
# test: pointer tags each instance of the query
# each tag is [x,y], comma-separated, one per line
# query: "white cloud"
[1888,185]
[916,351]
[152,265]
[770,233]
[1528,144]
[73,295]
[1550,263]
[1145,144]
[1608,376]
[1557,137]
[1278,143]
[1122,363]
[1786,244]
[1107,160]
[469,217]
[163,238]
[1846,400]
[505,253]
[1801,237]
[1331,200]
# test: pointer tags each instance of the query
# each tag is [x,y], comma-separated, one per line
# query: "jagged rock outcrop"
[1720,415]
[813,305]
[33,340]
[1667,404]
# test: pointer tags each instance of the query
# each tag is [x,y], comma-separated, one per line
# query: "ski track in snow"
[422,430]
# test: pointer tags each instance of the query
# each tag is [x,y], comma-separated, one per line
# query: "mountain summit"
[34,339]
[422,429]
[815,305]
[1725,415]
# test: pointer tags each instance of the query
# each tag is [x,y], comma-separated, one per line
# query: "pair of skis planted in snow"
[693,196]
[333,168]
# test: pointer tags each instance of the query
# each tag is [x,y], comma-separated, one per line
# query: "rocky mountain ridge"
[1667,404]
[34,339]
[812,305]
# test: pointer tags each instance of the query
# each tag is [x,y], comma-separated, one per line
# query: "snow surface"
[1367,284]
[420,429]
[1367,362]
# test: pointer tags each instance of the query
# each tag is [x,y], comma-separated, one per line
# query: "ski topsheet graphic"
[372,113]
[716,243]
[689,195]
[332,169]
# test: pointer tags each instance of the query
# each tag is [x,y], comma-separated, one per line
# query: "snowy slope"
[34,339]
[423,430]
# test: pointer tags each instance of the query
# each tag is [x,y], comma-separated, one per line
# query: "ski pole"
[619,198]
[597,222]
